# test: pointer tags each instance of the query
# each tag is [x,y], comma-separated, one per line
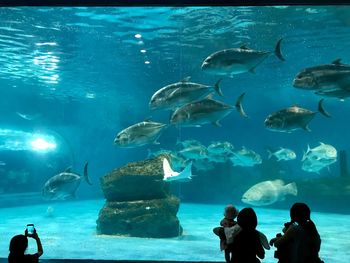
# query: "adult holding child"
[301,241]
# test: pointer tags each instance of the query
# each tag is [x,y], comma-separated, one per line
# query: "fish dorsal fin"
[337,61]
[147,119]
[321,143]
[68,169]
[187,79]
[244,46]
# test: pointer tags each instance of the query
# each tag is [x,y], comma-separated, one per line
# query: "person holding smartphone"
[19,244]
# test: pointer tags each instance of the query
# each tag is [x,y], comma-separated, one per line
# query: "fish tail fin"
[86,174]
[291,189]
[217,88]
[322,110]
[278,52]
[239,107]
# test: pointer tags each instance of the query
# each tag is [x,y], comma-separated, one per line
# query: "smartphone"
[30,229]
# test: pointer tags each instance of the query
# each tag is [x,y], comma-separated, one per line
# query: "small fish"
[245,157]
[194,152]
[283,154]
[170,175]
[220,148]
[293,118]
[268,192]
[323,151]
[316,165]
[140,134]
[229,62]
[64,185]
[28,117]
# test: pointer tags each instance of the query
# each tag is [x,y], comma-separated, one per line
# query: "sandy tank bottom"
[68,230]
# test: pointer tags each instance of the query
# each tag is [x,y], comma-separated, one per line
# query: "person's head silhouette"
[18,245]
[300,213]
[247,219]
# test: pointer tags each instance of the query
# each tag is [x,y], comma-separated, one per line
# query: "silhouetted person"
[246,246]
[18,246]
[301,242]
[226,224]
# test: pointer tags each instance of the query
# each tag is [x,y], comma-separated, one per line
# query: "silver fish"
[203,112]
[331,80]
[283,154]
[194,152]
[178,94]
[64,185]
[229,62]
[140,134]
[323,151]
[245,157]
[293,118]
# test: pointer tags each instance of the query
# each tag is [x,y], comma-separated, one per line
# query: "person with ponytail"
[301,241]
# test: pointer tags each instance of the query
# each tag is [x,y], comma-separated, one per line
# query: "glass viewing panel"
[125,131]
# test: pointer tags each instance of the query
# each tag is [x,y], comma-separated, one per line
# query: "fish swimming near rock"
[170,175]
[64,185]
[178,94]
[331,80]
[268,192]
[202,112]
[283,154]
[293,118]
[140,134]
[229,62]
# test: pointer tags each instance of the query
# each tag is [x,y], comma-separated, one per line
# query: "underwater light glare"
[138,36]
[41,145]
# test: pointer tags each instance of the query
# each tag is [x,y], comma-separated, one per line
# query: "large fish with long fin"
[229,62]
[293,118]
[205,111]
[330,80]
[64,185]
[178,94]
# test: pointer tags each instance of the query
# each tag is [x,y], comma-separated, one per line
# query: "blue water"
[82,74]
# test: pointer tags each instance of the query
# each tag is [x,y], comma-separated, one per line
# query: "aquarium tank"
[126,131]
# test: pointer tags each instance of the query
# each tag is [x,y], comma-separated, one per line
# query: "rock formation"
[139,202]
